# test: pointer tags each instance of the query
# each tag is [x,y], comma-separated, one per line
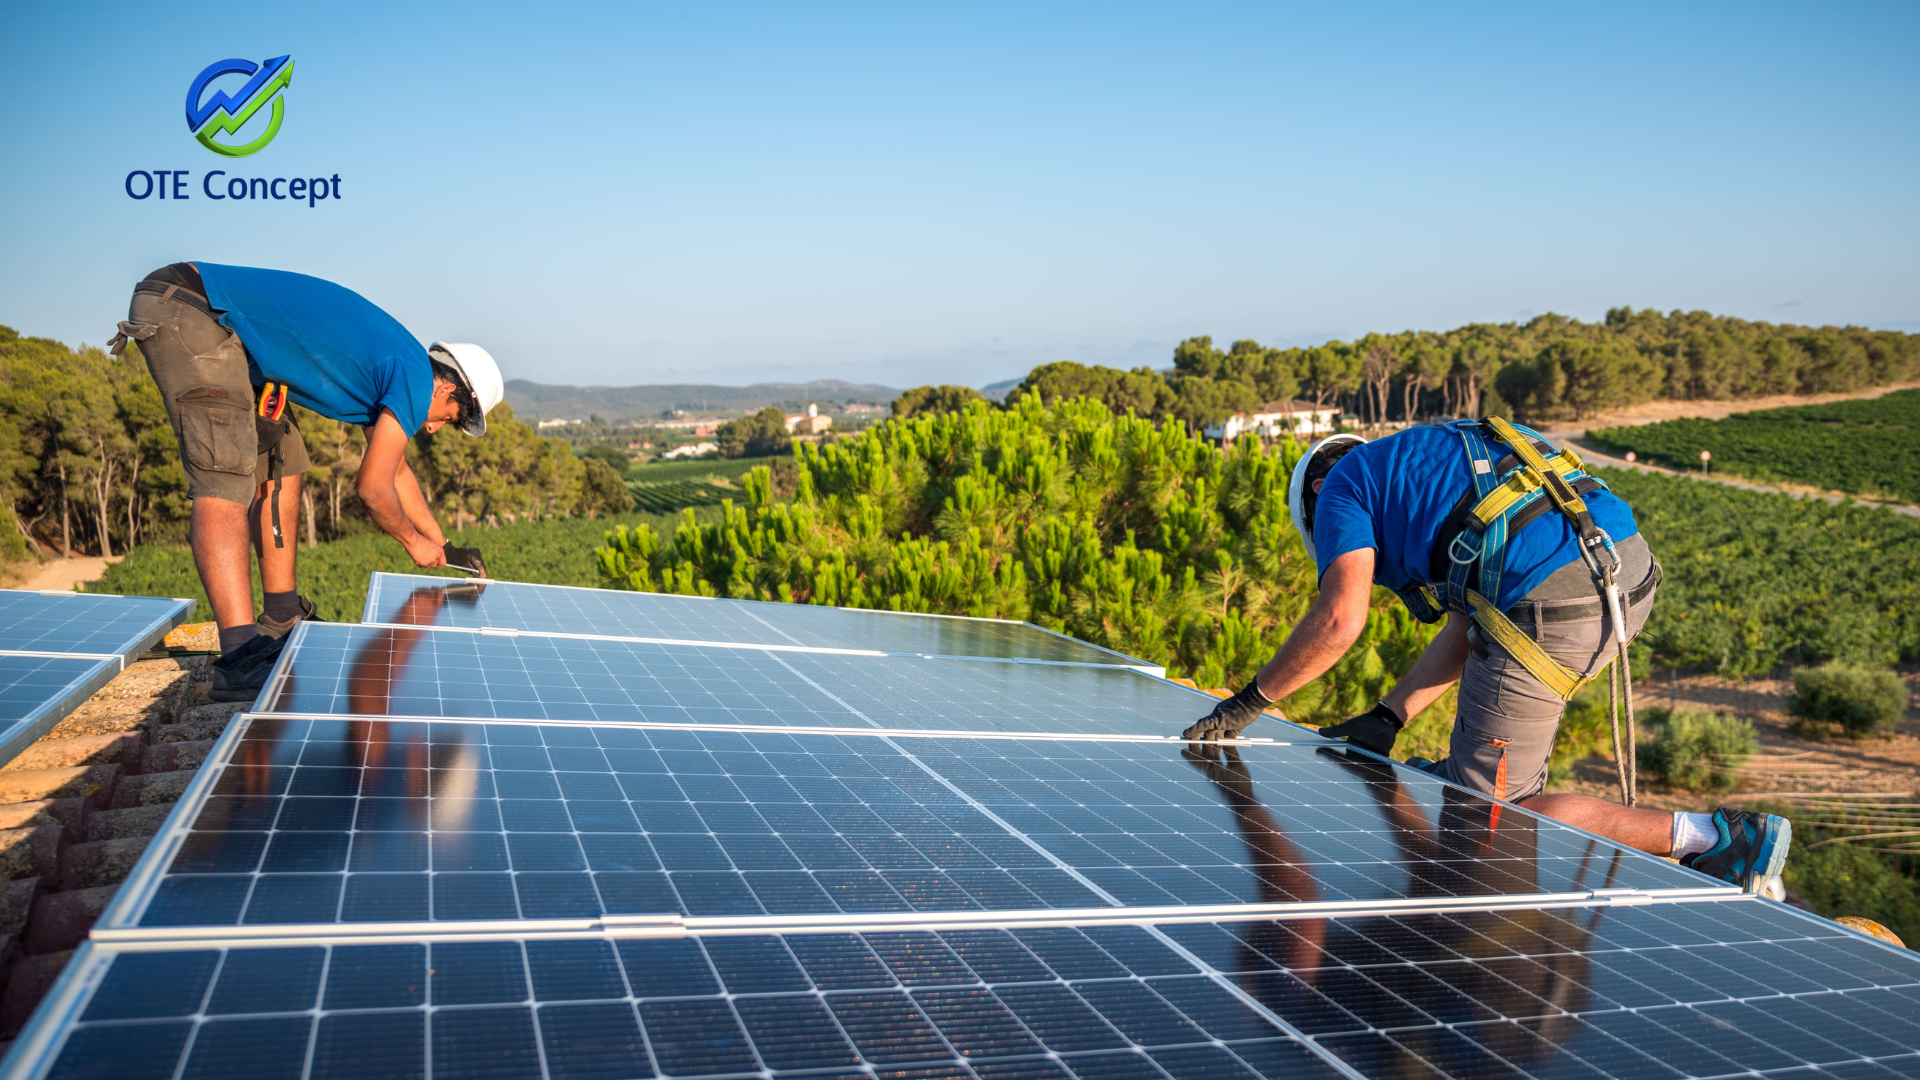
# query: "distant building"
[1277,418]
[559,423]
[691,450]
[809,422]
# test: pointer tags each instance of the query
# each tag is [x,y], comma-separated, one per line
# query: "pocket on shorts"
[216,430]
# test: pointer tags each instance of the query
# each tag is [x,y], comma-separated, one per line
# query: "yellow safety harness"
[1509,492]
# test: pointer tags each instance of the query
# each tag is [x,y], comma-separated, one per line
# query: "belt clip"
[273,400]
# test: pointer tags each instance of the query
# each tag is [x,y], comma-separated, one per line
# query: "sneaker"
[275,629]
[239,675]
[1752,849]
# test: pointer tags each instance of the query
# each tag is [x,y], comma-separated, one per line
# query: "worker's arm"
[379,488]
[1317,642]
[1438,668]
[1329,629]
[414,502]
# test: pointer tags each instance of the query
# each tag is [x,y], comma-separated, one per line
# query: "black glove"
[466,557]
[1229,718]
[1375,730]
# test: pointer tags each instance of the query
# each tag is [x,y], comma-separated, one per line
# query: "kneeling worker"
[229,347]
[1515,545]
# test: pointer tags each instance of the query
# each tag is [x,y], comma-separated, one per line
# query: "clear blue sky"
[910,193]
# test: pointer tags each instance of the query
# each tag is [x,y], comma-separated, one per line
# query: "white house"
[1277,418]
[691,450]
[809,422]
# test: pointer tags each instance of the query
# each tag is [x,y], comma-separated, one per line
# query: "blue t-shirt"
[340,356]
[1392,495]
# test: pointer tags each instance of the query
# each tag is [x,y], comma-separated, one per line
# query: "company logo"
[220,113]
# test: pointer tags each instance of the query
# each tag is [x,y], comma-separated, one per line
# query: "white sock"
[1693,834]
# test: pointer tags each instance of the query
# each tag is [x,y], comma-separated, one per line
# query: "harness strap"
[1553,675]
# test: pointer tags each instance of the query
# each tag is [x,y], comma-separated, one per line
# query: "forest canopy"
[1550,367]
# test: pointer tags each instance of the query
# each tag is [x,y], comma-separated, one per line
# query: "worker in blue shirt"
[230,347]
[1459,520]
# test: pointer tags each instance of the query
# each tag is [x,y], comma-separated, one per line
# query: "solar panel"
[448,852]
[337,821]
[1703,989]
[353,670]
[37,691]
[428,601]
[88,623]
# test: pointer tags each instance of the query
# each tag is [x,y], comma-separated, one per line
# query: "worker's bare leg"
[276,563]
[218,534]
[1650,831]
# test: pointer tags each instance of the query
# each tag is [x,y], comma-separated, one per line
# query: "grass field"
[724,468]
[1864,447]
[334,575]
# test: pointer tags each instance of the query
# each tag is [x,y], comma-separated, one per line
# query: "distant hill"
[618,403]
[998,391]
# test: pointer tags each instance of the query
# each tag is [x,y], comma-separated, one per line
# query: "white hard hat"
[476,365]
[1297,489]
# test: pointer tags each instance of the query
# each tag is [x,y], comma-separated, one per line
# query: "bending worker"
[1542,576]
[230,347]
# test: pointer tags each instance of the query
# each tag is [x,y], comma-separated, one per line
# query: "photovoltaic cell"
[36,691]
[429,601]
[1158,823]
[1704,989]
[1701,989]
[336,821]
[1057,1004]
[352,670]
[85,623]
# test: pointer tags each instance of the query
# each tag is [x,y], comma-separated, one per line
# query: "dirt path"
[1654,412]
[64,574]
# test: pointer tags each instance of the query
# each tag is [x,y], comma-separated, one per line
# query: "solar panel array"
[57,648]
[442,852]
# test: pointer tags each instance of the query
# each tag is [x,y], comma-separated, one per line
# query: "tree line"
[1550,367]
[89,463]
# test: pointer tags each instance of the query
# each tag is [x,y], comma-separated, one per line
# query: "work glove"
[1375,730]
[466,557]
[1229,718]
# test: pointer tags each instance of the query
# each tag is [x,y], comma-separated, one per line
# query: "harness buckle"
[1453,550]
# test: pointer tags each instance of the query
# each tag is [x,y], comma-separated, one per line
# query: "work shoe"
[1752,849]
[239,675]
[273,628]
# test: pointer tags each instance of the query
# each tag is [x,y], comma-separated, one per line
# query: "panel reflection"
[1156,824]
[629,614]
[344,669]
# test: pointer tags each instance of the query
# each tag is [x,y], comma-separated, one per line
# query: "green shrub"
[1852,879]
[1695,750]
[1147,540]
[1863,701]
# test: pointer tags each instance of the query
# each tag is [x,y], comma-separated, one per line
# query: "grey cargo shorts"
[1506,716]
[201,369]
